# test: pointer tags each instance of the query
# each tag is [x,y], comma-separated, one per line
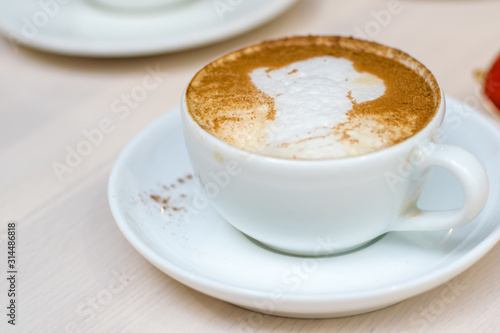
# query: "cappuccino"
[313,97]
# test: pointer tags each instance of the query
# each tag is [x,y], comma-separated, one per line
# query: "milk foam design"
[311,98]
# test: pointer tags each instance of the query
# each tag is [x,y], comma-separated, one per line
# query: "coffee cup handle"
[472,177]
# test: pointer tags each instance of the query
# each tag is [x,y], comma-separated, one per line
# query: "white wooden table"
[77,273]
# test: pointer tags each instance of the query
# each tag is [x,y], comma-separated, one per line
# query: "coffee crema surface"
[313,97]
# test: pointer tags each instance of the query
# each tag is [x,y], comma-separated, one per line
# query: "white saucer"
[82,28]
[202,251]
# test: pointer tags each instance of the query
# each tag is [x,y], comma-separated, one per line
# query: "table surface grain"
[69,249]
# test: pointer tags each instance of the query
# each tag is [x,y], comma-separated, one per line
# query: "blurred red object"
[492,84]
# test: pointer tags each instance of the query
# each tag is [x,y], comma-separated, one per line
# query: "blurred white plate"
[156,205]
[79,27]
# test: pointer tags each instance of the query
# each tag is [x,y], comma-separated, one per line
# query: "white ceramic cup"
[322,207]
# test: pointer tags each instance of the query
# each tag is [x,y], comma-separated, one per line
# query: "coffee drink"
[313,97]
[329,123]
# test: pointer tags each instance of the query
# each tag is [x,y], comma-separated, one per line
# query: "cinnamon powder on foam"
[223,100]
